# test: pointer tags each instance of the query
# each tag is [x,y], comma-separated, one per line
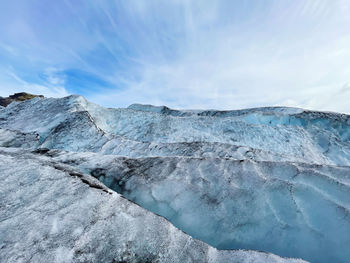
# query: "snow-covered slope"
[274,179]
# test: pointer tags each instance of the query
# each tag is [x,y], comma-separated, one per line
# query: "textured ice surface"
[273,179]
[74,124]
[51,213]
[291,209]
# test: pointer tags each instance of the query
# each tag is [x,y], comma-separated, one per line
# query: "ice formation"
[51,213]
[274,179]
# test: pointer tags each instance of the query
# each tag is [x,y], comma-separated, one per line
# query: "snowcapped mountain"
[271,179]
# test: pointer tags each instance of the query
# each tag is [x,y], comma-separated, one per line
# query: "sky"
[217,54]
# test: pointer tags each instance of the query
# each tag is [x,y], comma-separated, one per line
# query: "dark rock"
[41,150]
[21,96]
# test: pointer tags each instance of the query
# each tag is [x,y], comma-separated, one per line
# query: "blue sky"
[221,54]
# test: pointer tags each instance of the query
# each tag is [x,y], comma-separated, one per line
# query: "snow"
[274,179]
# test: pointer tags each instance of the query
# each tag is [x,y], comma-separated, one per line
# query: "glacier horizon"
[275,179]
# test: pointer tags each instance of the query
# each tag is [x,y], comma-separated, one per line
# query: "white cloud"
[298,55]
[194,54]
[11,83]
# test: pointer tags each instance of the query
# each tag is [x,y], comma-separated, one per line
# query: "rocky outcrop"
[22,96]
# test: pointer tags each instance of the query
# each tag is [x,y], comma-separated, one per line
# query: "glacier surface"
[274,179]
[49,212]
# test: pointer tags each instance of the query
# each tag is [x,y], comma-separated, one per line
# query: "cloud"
[184,53]
[281,59]
[11,83]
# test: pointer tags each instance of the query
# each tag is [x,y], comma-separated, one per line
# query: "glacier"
[271,179]
[49,212]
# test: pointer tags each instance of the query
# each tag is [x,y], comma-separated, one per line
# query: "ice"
[9,138]
[51,213]
[269,133]
[290,209]
[274,179]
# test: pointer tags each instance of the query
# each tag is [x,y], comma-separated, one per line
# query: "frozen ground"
[273,179]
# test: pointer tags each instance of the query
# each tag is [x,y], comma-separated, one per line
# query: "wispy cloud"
[183,53]
[11,83]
